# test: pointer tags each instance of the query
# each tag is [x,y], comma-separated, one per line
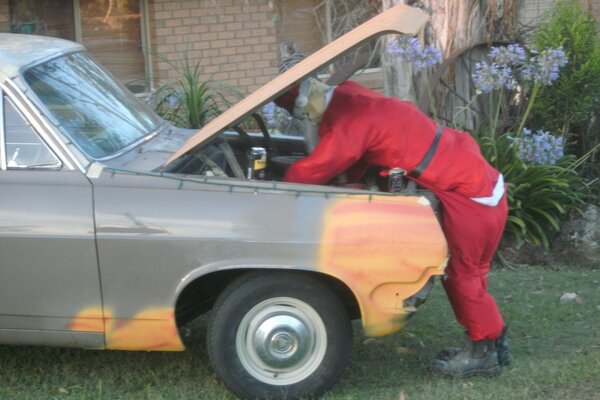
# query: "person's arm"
[335,153]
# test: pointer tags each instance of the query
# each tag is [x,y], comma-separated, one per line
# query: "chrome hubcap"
[281,341]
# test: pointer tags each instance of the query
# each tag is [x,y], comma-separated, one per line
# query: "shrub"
[540,190]
[191,100]
[573,102]
[542,184]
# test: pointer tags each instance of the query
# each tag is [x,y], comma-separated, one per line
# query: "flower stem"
[497,114]
[430,93]
[534,92]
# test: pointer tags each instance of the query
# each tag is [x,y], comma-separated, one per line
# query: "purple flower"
[411,51]
[268,112]
[511,55]
[275,116]
[488,77]
[545,66]
[172,100]
[540,147]
[509,62]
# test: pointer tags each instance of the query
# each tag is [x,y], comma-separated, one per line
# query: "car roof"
[18,50]
[398,19]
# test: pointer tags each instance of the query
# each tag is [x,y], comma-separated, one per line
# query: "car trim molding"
[162,127]
[42,127]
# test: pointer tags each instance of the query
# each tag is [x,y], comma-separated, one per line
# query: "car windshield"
[98,114]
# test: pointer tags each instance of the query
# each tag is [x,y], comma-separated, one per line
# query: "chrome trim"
[147,138]
[78,48]
[2,141]
[42,127]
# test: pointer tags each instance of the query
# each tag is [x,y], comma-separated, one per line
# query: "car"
[117,229]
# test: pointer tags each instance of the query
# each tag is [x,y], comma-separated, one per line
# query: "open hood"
[399,19]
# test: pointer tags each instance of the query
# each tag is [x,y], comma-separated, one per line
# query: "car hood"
[153,153]
[399,19]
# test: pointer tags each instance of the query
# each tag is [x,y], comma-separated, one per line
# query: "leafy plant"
[539,194]
[192,100]
[569,105]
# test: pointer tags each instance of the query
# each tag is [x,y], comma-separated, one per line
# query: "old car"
[117,229]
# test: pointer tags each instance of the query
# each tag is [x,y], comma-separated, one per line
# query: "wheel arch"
[197,295]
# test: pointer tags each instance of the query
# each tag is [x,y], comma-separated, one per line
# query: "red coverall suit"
[360,125]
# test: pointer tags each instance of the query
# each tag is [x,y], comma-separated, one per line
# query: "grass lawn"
[555,347]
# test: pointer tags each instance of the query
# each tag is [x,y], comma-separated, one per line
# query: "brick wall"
[235,40]
[296,22]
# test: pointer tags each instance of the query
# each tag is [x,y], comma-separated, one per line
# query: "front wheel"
[279,335]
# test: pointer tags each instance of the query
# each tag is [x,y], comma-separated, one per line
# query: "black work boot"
[476,358]
[502,348]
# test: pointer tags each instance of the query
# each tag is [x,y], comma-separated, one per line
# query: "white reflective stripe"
[497,193]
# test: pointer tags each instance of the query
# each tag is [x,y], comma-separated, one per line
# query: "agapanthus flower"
[488,77]
[511,55]
[172,100]
[545,66]
[411,51]
[268,111]
[540,147]
[274,116]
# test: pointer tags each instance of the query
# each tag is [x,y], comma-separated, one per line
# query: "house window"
[114,31]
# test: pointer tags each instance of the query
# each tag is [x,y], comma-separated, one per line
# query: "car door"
[49,280]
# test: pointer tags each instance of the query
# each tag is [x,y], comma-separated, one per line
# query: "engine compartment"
[232,154]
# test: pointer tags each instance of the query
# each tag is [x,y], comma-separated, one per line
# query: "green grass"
[556,355]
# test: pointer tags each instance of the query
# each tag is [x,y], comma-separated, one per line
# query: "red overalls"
[361,125]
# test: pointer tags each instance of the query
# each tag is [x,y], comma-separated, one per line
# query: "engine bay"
[250,151]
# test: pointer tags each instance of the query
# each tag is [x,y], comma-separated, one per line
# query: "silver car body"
[110,252]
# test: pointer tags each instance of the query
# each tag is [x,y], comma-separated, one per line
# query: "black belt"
[415,173]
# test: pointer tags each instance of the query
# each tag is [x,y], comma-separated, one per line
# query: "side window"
[24,148]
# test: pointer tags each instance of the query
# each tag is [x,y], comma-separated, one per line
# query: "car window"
[24,148]
[99,115]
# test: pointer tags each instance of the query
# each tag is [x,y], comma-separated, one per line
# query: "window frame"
[51,167]
[42,128]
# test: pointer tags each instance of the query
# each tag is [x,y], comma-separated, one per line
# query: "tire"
[278,335]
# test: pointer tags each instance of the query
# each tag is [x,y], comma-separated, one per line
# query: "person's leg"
[473,232]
